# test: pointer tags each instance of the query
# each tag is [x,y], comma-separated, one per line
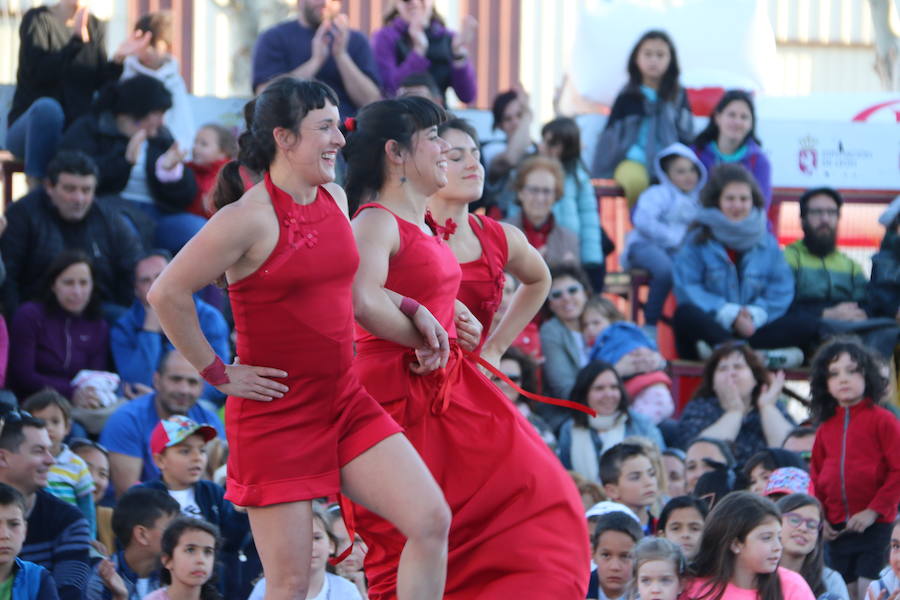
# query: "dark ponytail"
[283,104]
[376,123]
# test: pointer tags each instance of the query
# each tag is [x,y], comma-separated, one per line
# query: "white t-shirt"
[333,588]
[187,502]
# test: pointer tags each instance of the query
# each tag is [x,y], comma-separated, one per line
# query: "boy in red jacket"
[855,466]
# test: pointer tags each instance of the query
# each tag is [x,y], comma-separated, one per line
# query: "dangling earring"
[403,177]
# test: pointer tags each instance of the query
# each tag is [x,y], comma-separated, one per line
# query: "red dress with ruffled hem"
[295,313]
[518,528]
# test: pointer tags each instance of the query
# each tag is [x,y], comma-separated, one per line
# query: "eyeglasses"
[831,213]
[571,291]
[532,190]
[795,520]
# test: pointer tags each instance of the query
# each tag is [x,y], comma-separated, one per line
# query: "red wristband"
[215,374]
[408,306]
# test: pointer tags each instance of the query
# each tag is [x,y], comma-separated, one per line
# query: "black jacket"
[36,234]
[96,135]
[56,64]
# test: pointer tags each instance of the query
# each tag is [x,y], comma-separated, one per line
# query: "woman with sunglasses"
[561,340]
[803,553]
[538,185]
[485,248]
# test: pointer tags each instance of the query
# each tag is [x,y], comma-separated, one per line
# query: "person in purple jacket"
[319,44]
[62,333]
[730,136]
[415,39]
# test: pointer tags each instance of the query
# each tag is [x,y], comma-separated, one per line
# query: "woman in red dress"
[485,248]
[301,427]
[518,530]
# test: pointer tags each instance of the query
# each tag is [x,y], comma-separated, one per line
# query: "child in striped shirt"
[69,479]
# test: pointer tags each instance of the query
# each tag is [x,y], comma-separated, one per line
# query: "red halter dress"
[518,528]
[481,289]
[295,313]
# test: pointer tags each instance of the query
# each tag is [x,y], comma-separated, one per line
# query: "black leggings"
[692,325]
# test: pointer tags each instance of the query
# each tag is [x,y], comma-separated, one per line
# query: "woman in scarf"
[730,277]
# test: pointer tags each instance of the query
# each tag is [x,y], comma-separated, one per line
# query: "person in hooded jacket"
[661,219]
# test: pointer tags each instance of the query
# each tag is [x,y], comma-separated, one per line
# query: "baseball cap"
[175,430]
[608,506]
[788,480]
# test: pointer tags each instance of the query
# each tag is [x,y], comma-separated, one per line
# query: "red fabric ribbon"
[545,399]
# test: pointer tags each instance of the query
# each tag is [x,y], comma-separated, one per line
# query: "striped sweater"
[70,481]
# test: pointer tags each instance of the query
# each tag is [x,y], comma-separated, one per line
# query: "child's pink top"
[160,594]
[793,587]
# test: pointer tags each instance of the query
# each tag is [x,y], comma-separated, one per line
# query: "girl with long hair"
[650,113]
[802,526]
[740,551]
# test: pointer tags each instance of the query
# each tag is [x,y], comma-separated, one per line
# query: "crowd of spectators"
[109,434]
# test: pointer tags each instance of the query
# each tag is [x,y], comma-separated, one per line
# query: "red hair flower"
[350,123]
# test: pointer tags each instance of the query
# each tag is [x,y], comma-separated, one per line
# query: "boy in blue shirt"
[19,579]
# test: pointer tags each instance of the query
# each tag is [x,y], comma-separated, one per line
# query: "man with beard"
[319,44]
[126,435]
[828,283]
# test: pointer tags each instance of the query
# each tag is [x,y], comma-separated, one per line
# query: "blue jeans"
[35,135]
[659,263]
[173,230]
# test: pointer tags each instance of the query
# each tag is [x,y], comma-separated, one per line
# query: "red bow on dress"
[445,230]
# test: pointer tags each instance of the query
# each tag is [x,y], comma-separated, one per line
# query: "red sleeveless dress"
[296,313]
[481,289]
[518,527]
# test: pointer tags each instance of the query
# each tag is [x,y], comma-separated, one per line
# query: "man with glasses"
[58,536]
[829,284]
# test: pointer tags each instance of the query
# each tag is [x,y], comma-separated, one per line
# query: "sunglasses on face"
[795,520]
[571,291]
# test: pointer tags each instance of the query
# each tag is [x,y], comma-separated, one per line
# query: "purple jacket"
[396,60]
[49,347]
[754,161]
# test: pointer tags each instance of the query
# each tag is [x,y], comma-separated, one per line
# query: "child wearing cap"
[178,445]
[786,481]
[69,479]
[19,578]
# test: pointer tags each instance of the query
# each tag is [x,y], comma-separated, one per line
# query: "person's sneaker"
[783,358]
[704,350]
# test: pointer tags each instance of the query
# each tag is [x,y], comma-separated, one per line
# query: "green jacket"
[822,282]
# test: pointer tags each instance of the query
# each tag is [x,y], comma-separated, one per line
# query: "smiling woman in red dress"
[302,426]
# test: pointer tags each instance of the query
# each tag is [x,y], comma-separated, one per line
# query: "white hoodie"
[179,118]
[663,212]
